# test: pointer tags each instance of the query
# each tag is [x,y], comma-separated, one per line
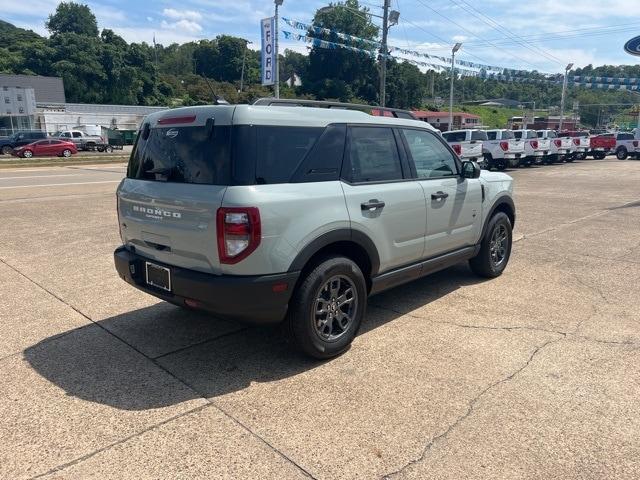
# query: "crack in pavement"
[208,401]
[469,411]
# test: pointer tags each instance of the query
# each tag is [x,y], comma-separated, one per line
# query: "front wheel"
[327,308]
[495,248]
[66,153]
[108,149]
[622,154]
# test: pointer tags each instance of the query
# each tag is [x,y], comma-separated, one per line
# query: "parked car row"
[502,148]
[33,143]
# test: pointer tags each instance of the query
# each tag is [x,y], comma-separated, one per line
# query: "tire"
[66,153]
[488,161]
[6,150]
[600,156]
[485,263]
[310,332]
[27,154]
[581,156]
[100,149]
[569,158]
[621,153]
[108,149]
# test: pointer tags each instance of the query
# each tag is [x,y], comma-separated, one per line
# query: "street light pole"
[564,92]
[277,63]
[455,48]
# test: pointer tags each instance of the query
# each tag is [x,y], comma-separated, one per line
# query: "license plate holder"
[158,276]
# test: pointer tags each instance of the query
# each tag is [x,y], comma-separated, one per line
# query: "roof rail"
[370,109]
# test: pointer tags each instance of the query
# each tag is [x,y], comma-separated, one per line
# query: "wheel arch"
[352,244]
[502,204]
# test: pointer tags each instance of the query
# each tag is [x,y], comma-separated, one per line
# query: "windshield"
[182,155]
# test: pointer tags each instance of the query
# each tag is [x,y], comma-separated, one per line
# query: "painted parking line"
[42,176]
[59,184]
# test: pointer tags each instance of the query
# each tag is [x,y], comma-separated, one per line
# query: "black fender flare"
[339,235]
[502,200]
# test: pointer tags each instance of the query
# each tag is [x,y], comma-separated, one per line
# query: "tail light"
[534,143]
[558,142]
[635,143]
[457,149]
[504,146]
[576,141]
[238,231]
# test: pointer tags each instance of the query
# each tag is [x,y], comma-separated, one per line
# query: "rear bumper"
[248,299]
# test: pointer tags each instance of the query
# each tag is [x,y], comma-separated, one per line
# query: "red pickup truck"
[601,145]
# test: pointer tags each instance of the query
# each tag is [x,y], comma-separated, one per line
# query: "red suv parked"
[46,148]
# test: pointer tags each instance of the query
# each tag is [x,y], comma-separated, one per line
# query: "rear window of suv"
[193,154]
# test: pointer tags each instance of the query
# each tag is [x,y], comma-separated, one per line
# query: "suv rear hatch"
[178,173]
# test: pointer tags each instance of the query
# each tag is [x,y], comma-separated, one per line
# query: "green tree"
[71,17]
[340,73]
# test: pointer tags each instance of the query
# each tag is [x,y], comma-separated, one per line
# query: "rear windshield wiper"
[165,171]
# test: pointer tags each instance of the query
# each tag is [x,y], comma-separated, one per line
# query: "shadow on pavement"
[93,365]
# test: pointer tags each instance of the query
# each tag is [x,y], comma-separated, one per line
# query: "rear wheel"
[27,154]
[6,150]
[108,149]
[327,308]
[495,248]
[621,153]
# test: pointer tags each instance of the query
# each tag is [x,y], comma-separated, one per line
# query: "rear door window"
[194,154]
[373,155]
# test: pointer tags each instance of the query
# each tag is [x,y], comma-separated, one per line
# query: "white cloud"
[185,25]
[459,38]
[163,36]
[181,14]
[149,19]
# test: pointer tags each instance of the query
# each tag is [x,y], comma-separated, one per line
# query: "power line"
[471,33]
[498,27]
[555,37]
[445,45]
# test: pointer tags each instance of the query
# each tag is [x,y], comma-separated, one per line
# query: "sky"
[542,35]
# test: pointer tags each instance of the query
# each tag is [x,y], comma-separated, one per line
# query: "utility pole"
[277,63]
[244,57]
[564,92]
[455,48]
[383,53]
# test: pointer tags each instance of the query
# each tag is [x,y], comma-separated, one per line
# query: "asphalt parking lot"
[535,374]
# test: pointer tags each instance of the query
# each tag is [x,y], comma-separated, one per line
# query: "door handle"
[439,195]
[372,205]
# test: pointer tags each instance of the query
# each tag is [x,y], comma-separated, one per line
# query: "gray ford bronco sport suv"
[295,215]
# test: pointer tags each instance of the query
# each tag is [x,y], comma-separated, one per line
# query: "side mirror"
[470,170]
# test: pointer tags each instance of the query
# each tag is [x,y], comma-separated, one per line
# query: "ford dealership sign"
[633,46]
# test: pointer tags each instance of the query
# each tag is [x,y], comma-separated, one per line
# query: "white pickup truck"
[502,149]
[581,143]
[534,149]
[467,143]
[559,148]
[627,145]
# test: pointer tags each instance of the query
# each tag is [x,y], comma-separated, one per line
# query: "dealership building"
[32,102]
